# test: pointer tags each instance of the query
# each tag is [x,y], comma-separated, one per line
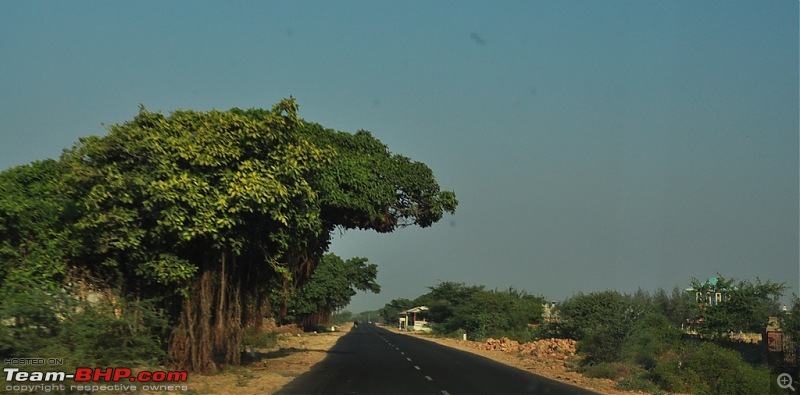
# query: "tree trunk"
[209,330]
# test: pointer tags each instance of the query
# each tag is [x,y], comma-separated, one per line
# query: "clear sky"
[592,144]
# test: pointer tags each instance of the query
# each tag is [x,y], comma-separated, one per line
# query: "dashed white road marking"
[429,378]
[402,353]
[408,359]
[445,392]
[416,367]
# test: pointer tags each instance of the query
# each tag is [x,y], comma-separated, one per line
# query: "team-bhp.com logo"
[89,379]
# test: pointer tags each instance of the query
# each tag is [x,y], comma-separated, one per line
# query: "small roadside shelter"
[414,319]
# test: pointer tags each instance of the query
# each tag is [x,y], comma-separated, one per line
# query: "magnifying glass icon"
[785,381]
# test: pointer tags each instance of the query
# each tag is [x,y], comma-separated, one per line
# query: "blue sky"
[592,144]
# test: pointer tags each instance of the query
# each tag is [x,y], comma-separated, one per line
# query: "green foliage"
[445,297]
[495,314]
[676,306]
[722,371]
[367,187]
[159,192]
[333,283]
[601,321]
[368,316]
[458,308]
[670,373]
[30,317]
[651,337]
[253,337]
[632,339]
[34,241]
[208,211]
[607,370]
[52,324]
[343,317]
[390,311]
[746,306]
[103,334]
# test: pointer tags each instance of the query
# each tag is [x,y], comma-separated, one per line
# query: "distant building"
[709,293]
[549,312]
[414,319]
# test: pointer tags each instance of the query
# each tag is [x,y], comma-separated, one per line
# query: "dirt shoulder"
[294,354]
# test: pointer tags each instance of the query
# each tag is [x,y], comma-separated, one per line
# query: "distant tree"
[495,313]
[390,312]
[368,316]
[678,307]
[445,297]
[746,306]
[331,286]
[602,321]
[342,317]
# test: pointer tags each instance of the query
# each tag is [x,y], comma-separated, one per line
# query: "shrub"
[671,374]
[600,321]
[52,324]
[487,314]
[103,334]
[650,337]
[722,371]
[29,318]
[259,339]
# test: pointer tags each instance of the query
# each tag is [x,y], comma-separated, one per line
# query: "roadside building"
[414,319]
[710,293]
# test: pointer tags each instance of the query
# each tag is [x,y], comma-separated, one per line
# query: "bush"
[722,371]
[650,337]
[600,321]
[259,339]
[30,322]
[52,324]
[670,372]
[106,335]
[487,314]
[547,330]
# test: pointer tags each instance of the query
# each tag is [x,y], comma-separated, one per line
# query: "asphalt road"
[372,360]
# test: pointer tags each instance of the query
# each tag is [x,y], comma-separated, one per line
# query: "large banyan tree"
[210,211]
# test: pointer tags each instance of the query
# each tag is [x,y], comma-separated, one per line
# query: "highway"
[373,360]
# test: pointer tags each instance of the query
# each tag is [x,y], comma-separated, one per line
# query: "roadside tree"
[210,211]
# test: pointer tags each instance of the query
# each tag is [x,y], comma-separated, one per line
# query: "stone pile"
[501,344]
[545,348]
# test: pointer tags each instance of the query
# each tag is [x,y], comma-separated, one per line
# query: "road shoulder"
[552,367]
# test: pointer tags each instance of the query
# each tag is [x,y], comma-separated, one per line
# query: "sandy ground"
[296,354]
